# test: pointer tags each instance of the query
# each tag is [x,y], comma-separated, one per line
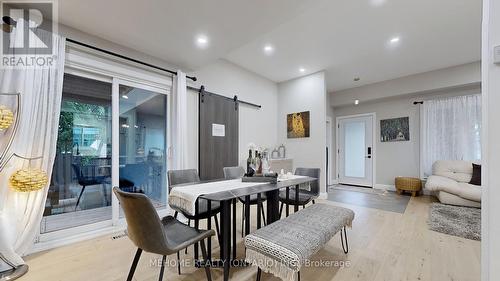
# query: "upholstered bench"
[281,248]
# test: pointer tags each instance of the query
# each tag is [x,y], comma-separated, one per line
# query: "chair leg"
[259,273]
[175,214]
[281,209]
[342,237]
[189,224]
[196,255]
[134,264]
[298,275]
[205,258]
[178,263]
[243,221]
[263,214]
[79,197]
[217,228]
[314,202]
[162,269]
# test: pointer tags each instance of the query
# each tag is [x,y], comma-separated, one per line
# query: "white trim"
[115,149]
[374,143]
[91,63]
[486,207]
[329,136]
[323,195]
[92,66]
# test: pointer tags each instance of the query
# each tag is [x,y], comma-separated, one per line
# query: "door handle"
[368,156]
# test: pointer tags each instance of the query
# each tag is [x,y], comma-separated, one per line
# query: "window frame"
[90,64]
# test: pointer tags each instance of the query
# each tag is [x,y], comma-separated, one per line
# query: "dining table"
[226,193]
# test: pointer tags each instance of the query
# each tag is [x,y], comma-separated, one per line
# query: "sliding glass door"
[142,142]
[112,132]
[80,189]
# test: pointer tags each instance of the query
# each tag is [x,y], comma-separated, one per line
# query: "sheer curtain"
[180,122]
[41,92]
[451,130]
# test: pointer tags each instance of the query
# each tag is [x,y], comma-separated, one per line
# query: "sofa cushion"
[461,189]
[451,199]
[458,170]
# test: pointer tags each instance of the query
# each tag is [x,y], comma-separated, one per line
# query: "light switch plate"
[497,55]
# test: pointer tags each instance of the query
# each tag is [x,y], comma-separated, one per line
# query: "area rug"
[453,220]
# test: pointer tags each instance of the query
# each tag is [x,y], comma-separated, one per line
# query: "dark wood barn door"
[218,135]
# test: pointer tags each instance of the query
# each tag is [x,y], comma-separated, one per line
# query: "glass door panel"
[354,149]
[80,189]
[142,143]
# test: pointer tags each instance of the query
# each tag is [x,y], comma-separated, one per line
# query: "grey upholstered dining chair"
[159,236]
[305,196]
[177,177]
[237,173]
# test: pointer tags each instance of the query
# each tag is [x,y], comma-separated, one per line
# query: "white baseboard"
[334,181]
[51,244]
[389,187]
[323,195]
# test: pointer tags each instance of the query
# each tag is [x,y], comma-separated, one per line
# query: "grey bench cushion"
[282,247]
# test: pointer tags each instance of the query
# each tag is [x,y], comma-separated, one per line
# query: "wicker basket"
[413,185]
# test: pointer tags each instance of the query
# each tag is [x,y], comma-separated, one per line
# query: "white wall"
[398,158]
[305,94]
[257,126]
[431,81]
[490,245]
[222,77]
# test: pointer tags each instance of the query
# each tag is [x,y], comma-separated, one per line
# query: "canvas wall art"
[298,125]
[395,129]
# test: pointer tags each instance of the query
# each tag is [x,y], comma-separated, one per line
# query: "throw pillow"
[476,174]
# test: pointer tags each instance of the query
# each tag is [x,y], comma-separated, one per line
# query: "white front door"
[355,150]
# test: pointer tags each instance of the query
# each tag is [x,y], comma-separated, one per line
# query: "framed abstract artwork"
[298,125]
[395,129]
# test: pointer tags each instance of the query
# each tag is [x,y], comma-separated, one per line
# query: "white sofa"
[450,183]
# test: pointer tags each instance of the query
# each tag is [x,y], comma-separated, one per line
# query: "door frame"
[329,137]
[374,143]
[86,63]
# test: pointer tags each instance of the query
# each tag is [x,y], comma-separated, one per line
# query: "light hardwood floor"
[383,246]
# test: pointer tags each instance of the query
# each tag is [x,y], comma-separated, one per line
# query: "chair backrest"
[143,224]
[182,176]
[233,172]
[313,173]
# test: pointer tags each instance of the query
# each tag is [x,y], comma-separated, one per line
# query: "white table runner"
[184,197]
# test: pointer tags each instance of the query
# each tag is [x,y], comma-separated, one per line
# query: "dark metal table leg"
[234,229]
[273,208]
[287,200]
[247,215]
[259,212]
[225,226]
[296,207]
[209,226]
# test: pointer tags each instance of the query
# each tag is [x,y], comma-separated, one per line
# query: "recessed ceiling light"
[356,102]
[394,40]
[268,49]
[125,97]
[377,3]
[302,70]
[202,41]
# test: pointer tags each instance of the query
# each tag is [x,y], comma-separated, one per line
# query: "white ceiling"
[346,38]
